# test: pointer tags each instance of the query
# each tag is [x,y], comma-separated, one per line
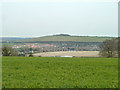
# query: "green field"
[50,72]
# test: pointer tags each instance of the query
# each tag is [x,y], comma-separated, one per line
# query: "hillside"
[12,38]
[65,37]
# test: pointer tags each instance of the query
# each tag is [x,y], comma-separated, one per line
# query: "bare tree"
[109,48]
[8,51]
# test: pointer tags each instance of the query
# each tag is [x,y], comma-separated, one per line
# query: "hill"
[12,38]
[66,38]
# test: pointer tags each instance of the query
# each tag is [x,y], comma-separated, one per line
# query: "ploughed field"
[59,72]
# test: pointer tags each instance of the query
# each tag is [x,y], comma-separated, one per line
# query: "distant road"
[69,53]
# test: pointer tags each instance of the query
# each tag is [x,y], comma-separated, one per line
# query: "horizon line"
[59,34]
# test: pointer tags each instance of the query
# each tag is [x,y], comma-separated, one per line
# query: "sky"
[36,19]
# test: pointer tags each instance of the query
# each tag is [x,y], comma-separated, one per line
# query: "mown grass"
[50,72]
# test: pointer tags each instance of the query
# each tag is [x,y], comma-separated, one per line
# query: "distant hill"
[66,37]
[12,38]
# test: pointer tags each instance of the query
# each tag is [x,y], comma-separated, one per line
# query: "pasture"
[57,72]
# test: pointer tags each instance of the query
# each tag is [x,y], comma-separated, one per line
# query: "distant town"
[37,47]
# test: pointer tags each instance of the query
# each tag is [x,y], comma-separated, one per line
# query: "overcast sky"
[25,19]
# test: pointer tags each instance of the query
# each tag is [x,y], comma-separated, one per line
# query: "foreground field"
[50,72]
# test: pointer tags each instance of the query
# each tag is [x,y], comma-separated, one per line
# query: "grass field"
[50,72]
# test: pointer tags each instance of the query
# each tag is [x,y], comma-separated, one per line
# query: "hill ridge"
[67,37]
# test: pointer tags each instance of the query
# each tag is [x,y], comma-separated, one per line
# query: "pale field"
[69,53]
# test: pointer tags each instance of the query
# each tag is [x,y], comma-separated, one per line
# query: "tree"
[109,48]
[8,51]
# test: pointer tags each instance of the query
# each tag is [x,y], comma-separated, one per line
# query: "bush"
[30,55]
[8,51]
